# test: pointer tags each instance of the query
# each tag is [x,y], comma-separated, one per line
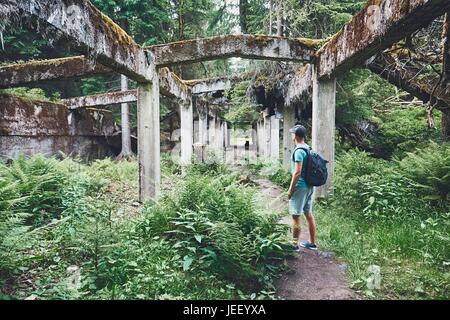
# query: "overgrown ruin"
[360,43]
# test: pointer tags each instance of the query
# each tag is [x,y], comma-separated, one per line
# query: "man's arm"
[295,177]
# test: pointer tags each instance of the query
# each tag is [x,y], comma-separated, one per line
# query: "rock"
[343,267]
[327,255]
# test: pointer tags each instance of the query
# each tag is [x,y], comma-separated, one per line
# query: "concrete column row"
[323,131]
[215,133]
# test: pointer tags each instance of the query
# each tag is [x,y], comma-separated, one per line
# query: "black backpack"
[316,173]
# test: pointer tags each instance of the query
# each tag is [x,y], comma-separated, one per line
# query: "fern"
[429,170]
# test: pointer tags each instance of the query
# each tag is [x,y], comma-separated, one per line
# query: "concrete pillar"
[227,135]
[258,138]
[254,138]
[186,131]
[196,129]
[261,139]
[274,138]
[323,126]
[202,128]
[211,132]
[288,122]
[266,135]
[125,121]
[148,140]
[219,136]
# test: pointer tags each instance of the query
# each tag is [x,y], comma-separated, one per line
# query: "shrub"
[38,183]
[215,226]
[429,170]
[373,187]
[404,129]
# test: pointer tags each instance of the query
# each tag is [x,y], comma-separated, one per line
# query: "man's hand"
[289,194]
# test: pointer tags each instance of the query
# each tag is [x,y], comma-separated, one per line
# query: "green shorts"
[301,201]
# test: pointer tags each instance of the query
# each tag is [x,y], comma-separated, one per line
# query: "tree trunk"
[280,18]
[270,17]
[445,84]
[243,10]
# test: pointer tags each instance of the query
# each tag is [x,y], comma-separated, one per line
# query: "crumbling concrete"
[209,85]
[289,120]
[22,74]
[245,46]
[377,27]
[187,132]
[149,140]
[299,86]
[323,127]
[172,86]
[31,127]
[88,29]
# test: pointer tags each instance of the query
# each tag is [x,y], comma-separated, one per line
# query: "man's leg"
[296,229]
[311,227]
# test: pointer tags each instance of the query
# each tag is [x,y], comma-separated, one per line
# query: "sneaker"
[295,247]
[308,245]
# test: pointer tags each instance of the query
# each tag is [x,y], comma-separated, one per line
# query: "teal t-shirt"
[300,156]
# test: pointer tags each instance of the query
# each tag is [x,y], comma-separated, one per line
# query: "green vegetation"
[204,239]
[392,214]
[242,112]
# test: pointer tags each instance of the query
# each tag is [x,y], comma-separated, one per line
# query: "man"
[300,194]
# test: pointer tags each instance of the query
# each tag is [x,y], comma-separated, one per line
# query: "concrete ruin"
[39,127]
[244,46]
[377,27]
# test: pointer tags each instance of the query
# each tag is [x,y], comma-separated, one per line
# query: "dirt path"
[312,275]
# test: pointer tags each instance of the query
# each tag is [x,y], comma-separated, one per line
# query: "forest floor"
[312,275]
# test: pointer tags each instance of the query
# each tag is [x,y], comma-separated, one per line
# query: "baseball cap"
[299,130]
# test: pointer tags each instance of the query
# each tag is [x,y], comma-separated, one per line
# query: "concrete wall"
[30,127]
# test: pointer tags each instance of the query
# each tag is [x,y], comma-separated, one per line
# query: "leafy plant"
[429,170]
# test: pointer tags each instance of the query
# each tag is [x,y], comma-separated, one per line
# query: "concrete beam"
[87,29]
[22,74]
[16,75]
[32,72]
[209,85]
[104,99]
[172,86]
[244,46]
[377,27]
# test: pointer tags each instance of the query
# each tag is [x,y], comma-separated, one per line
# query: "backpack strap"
[302,148]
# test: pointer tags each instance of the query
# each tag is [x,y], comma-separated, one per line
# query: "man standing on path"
[300,194]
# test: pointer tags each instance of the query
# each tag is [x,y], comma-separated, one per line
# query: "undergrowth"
[68,231]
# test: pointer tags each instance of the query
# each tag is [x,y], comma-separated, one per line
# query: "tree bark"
[445,84]
[280,18]
[243,11]
[270,17]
